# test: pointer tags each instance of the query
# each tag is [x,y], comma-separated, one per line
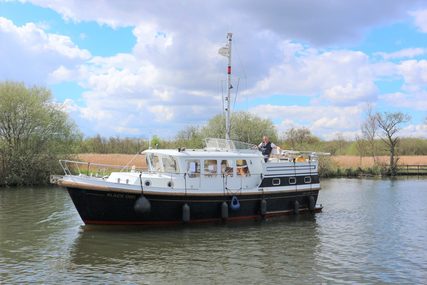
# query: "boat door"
[192,180]
[211,177]
[231,180]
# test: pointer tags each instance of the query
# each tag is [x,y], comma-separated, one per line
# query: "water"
[371,231]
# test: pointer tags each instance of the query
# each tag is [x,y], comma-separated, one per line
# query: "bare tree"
[389,125]
[340,141]
[369,132]
[361,147]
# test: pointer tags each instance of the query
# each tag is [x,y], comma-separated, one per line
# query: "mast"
[226,51]
[228,98]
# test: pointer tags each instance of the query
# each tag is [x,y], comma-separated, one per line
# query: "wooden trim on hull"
[261,191]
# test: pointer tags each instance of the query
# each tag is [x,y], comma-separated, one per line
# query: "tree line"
[293,139]
[35,133]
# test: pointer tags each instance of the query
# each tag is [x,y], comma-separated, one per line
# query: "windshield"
[162,163]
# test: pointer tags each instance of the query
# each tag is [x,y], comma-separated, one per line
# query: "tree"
[189,137]
[389,124]
[34,133]
[245,127]
[369,131]
[361,147]
[155,142]
[299,138]
[340,142]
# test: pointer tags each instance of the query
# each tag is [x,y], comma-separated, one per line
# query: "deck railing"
[71,167]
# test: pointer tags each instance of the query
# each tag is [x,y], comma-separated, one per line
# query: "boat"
[225,181]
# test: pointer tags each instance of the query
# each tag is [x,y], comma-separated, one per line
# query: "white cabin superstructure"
[213,171]
[206,181]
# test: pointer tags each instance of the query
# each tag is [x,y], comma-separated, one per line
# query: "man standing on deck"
[266,147]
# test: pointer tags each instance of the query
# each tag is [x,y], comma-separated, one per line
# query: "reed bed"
[114,159]
[348,161]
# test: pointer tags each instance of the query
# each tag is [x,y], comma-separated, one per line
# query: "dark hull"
[108,207]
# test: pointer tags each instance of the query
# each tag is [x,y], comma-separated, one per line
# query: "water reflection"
[370,231]
[272,250]
[373,229]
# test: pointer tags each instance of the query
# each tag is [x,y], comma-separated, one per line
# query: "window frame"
[277,183]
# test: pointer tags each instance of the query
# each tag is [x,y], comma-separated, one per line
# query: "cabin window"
[156,163]
[193,168]
[227,167]
[307,179]
[276,181]
[169,164]
[211,167]
[162,163]
[148,160]
[242,167]
[292,180]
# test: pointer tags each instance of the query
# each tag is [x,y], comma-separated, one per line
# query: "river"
[370,231]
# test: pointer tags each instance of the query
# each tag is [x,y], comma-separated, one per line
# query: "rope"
[126,166]
[237,90]
[140,182]
[309,163]
[185,184]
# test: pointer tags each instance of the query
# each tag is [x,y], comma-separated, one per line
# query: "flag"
[224,51]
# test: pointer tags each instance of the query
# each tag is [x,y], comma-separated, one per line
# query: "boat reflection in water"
[267,250]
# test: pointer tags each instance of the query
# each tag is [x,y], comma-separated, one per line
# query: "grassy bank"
[333,166]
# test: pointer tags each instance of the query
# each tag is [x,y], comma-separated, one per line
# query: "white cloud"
[319,22]
[69,105]
[415,101]
[420,19]
[162,113]
[321,120]
[341,77]
[36,39]
[350,93]
[60,74]
[414,73]
[404,53]
[30,54]
[171,77]
[414,130]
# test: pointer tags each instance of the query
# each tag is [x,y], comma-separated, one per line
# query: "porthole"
[292,180]
[276,181]
[170,184]
[147,183]
[307,179]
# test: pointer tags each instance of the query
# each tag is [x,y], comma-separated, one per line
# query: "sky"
[144,68]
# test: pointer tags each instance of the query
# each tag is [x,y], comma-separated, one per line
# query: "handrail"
[67,164]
